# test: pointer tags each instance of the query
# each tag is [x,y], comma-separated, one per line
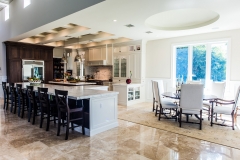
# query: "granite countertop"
[72,84]
[75,92]
[125,84]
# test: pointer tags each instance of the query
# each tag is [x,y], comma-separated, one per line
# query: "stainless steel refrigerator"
[33,69]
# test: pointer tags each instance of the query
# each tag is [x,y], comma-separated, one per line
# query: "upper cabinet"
[100,54]
[129,48]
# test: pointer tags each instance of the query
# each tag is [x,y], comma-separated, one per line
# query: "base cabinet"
[129,94]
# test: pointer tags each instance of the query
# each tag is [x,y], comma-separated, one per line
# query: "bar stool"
[13,98]
[48,107]
[6,95]
[22,101]
[32,104]
[62,104]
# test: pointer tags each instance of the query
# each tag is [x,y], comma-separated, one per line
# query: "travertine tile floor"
[21,140]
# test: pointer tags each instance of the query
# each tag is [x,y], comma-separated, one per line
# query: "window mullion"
[190,61]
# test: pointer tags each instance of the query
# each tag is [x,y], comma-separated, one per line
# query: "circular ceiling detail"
[182,19]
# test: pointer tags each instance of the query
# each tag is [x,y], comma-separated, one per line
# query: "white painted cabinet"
[134,65]
[129,94]
[100,54]
[120,66]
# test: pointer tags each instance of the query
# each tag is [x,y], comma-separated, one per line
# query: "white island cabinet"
[129,94]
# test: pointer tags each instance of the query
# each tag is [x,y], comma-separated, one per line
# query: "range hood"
[98,63]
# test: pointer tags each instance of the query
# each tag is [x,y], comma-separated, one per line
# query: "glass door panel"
[199,63]
[123,67]
[116,67]
[218,61]
[137,93]
[130,94]
[182,63]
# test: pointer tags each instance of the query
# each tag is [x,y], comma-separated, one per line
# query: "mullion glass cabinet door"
[123,67]
[116,67]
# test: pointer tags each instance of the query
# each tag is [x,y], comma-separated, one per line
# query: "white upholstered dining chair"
[218,90]
[225,107]
[165,107]
[160,84]
[191,102]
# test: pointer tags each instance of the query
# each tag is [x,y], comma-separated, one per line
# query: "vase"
[128,81]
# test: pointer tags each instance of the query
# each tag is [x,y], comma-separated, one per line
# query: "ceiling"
[4,3]
[97,26]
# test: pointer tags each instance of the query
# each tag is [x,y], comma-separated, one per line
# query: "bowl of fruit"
[34,80]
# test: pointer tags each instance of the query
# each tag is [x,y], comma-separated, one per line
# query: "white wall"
[159,54]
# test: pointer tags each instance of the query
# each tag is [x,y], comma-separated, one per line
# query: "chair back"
[62,100]
[235,105]
[157,92]
[30,94]
[191,96]
[160,87]
[19,90]
[153,90]
[193,82]
[5,89]
[218,89]
[43,97]
[12,90]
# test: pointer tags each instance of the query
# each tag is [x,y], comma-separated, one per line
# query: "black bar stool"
[32,104]
[48,107]
[62,104]
[6,95]
[13,98]
[22,100]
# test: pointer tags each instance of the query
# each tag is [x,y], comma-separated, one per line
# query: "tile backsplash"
[99,72]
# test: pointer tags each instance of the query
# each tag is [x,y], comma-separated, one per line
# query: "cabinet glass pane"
[137,93]
[116,67]
[123,67]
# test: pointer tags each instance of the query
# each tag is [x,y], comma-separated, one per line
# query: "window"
[26,3]
[205,62]
[6,9]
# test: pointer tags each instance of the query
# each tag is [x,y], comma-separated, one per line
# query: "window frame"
[208,44]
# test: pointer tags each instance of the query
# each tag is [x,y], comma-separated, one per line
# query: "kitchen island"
[100,106]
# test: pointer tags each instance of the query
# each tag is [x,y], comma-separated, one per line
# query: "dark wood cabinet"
[58,69]
[17,51]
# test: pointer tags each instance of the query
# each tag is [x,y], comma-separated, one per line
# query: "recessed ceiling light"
[129,25]
[148,32]
[114,20]
[214,28]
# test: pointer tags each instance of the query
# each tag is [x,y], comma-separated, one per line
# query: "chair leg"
[41,119]
[156,110]
[216,118]
[209,113]
[233,121]
[34,113]
[48,119]
[200,120]
[67,127]
[72,126]
[15,105]
[211,116]
[7,103]
[180,118]
[59,123]
[160,112]
[29,111]
[11,104]
[153,104]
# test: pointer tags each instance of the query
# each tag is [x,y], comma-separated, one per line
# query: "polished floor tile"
[129,141]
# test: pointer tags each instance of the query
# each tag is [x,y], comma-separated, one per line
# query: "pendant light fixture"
[78,57]
[64,59]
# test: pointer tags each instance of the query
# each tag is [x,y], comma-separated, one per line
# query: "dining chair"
[64,109]
[6,95]
[225,107]
[48,107]
[165,107]
[218,90]
[191,102]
